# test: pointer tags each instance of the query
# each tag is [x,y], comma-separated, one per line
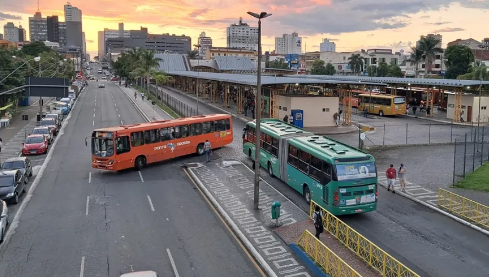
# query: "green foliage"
[475,73]
[458,60]
[382,69]
[394,71]
[429,47]
[372,71]
[356,63]
[35,49]
[416,56]
[318,68]
[476,180]
[279,64]
[330,70]
[193,54]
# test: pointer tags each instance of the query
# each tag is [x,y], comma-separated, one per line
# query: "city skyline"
[393,25]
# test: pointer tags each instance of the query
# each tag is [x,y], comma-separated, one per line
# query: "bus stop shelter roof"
[250,79]
[405,81]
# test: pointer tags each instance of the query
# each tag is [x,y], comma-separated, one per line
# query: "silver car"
[140,274]
[101,85]
[3,219]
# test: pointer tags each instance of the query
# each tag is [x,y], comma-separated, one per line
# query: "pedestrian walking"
[335,117]
[317,218]
[391,178]
[462,115]
[245,108]
[142,96]
[414,110]
[286,119]
[402,177]
[365,112]
[207,149]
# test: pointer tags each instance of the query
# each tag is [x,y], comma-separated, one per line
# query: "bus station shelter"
[239,87]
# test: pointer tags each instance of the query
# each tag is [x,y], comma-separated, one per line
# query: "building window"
[484,108]
[423,66]
[437,57]
[437,65]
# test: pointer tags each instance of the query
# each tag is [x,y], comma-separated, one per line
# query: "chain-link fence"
[176,105]
[471,151]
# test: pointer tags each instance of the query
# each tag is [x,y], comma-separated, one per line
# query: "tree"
[318,67]
[279,64]
[356,63]
[35,49]
[330,70]
[429,46]
[415,58]
[372,71]
[476,73]
[382,69]
[458,60]
[193,54]
[394,71]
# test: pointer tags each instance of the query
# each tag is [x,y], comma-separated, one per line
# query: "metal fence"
[464,207]
[471,151]
[176,105]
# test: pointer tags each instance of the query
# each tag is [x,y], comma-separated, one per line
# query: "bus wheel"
[270,169]
[307,194]
[381,113]
[200,149]
[140,162]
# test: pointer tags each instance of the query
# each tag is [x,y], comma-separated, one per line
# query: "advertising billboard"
[293,61]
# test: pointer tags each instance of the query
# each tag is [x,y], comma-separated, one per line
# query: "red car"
[35,144]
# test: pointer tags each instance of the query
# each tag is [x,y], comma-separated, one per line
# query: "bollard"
[276,211]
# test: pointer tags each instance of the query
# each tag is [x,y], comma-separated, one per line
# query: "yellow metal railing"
[373,255]
[464,207]
[327,259]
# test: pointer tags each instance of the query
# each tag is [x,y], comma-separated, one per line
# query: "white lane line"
[141,176]
[151,204]
[119,115]
[93,115]
[175,271]
[89,177]
[115,104]
[93,122]
[88,203]
[93,109]
[82,267]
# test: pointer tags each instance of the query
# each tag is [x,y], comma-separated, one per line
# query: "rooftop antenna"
[38,6]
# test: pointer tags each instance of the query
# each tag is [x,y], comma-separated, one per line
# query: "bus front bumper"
[358,209]
[104,165]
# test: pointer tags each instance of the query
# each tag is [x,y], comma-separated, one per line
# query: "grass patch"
[477,180]
[159,103]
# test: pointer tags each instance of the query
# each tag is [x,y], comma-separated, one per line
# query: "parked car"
[12,185]
[57,116]
[51,124]
[61,106]
[21,163]
[4,220]
[101,85]
[48,133]
[35,144]
[68,101]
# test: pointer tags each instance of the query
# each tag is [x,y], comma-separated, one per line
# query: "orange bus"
[136,145]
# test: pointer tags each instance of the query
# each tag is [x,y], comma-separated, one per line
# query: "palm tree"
[356,63]
[147,63]
[429,46]
[415,58]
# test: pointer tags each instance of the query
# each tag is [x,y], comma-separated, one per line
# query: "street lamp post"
[198,75]
[256,188]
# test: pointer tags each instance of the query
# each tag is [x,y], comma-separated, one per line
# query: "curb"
[235,228]
[309,263]
[456,218]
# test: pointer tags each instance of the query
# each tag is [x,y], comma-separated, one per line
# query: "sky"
[351,24]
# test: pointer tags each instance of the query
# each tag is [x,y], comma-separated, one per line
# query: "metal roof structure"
[173,62]
[392,80]
[248,79]
[233,63]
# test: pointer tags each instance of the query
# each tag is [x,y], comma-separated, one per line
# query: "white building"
[205,43]
[288,44]
[108,33]
[52,45]
[11,32]
[72,13]
[242,36]
[370,57]
[327,46]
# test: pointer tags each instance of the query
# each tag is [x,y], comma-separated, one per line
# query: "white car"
[3,219]
[101,85]
[103,77]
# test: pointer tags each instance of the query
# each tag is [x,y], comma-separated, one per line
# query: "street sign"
[362,136]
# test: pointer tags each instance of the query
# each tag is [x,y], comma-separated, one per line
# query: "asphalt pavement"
[85,222]
[426,241]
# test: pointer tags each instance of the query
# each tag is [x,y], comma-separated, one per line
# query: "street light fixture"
[256,188]
[198,75]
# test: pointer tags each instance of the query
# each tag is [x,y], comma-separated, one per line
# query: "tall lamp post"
[198,75]
[256,188]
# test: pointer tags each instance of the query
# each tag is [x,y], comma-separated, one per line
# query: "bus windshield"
[399,100]
[356,171]
[103,147]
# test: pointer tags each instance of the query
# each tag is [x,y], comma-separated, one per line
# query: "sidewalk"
[228,184]
[150,112]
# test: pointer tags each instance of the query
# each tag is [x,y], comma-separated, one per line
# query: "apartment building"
[327,46]
[242,36]
[11,32]
[205,43]
[288,44]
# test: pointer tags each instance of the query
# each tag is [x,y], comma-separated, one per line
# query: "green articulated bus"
[340,178]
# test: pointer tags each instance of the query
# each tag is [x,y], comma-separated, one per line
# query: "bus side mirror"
[86,143]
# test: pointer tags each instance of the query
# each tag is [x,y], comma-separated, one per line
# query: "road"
[82,222]
[427,242]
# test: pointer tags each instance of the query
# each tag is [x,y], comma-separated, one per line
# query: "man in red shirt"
[391,178]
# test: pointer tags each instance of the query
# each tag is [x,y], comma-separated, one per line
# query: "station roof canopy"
[250,79]
[405,81]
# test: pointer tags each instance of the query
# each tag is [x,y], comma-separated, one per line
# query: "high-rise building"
[62,34]
[1,36]
[11,32]
[205,43]
[165,42]
[327,46]
[72,13]
[38,28]
[22,34]
[108,33]
[242,36]
[84,43]
[53,28]
[288,44]
[74,27]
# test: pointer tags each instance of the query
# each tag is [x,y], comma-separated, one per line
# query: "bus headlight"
[111,162]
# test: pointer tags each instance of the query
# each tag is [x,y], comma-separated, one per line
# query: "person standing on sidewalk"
[207,149]
[402,177]
[317,218]
[1,144]
[391,178]
[335,117]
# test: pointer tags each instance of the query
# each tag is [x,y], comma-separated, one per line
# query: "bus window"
[208,127]
[327,172]
[166,134]
[196,129]
[137,139]
[151,136]
[176,133]
[228,124]
[122,145]
[220,126]
[304,160]
[184,130]
[251,134]
[275,147]
[292,160]
[315,170]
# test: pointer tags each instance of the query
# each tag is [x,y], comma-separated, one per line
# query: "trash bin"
[276,209]
[38,117]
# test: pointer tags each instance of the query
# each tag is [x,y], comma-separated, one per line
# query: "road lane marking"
[93,122]
[172,263]
[151,204]
[93,115]
[141,176]
[93,109]
[82,266]
[115,104]
[89,177]
[88,203]
[119,115]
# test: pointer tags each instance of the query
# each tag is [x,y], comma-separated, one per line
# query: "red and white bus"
[136,145]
